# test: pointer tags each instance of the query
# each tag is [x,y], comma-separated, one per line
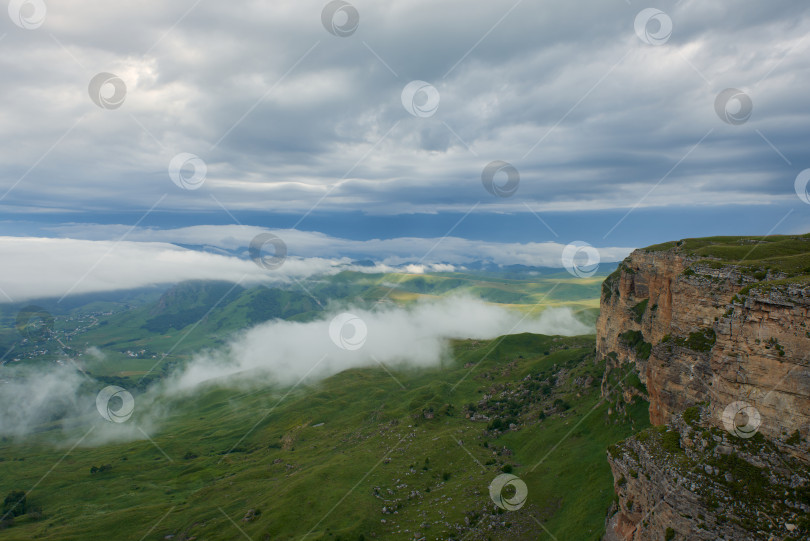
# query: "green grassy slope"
[326,459]
[787,254]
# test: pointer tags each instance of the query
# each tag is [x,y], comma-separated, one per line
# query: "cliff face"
[686,481]
[726,343]
[694,338]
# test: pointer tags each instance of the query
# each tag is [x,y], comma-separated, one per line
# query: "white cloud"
[53,267]
[275,353]
[393,251]
[59,396]
[283,352]
[26,402]
[43,267]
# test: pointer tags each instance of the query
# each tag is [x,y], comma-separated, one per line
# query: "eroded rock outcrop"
[691,481]
[703,331]
[729,339]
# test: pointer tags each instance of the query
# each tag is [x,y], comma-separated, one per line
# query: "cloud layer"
[285,352]
[289,117]
[57,267]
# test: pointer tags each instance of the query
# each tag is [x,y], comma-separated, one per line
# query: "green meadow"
[322,461]
[377,452]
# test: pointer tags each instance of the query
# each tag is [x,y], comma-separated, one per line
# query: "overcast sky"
[377,120]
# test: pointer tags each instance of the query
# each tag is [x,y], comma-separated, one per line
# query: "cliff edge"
[719,326]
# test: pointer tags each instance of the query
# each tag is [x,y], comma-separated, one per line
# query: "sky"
[404,131]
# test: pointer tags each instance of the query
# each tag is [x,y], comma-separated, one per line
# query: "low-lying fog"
[278,353]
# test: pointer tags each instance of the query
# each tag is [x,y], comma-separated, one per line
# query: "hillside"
[383,452]
[369,453]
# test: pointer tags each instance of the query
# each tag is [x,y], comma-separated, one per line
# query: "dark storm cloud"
[286,115]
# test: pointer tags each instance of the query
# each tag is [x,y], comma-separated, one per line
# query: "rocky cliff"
[721,324]
[690,481]
[703,330]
